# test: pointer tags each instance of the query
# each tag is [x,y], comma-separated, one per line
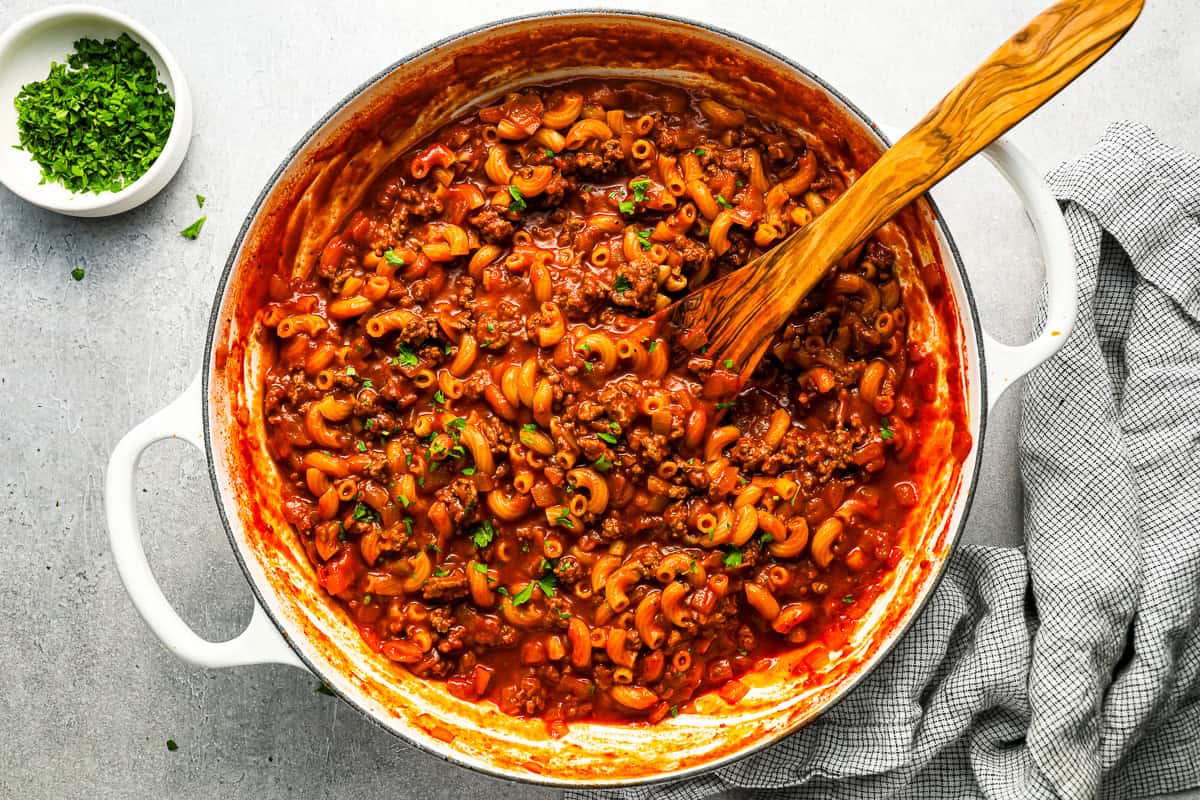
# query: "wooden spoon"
[736,316]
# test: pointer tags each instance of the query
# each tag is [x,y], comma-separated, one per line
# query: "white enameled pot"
[295,623]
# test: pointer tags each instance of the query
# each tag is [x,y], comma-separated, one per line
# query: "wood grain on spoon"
[736,317]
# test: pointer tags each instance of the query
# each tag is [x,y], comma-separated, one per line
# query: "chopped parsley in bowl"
[95,113]
[98,121]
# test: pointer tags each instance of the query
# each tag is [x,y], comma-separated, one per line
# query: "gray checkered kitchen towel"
[1071,669]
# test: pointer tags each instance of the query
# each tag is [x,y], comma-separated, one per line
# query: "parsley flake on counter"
[78,273]
[172,745]
[200,201]
[193,230]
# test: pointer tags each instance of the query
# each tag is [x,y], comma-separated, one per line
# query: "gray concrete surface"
[88,697]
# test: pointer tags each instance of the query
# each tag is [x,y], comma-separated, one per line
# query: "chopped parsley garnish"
[644,238]
[729,404]
[502,590]
[97,122]
[602,463]
[766,538]
[392,258]
[468,471]
[729,363]
[699,151]
[77,273]
[524,595]
[563,615]
[608,437]
[693,568]
[408,526]
[369,424]
[518,200]
[480,568]
[564,518]
[650,348]
[361,447]
[362,513]
[626,207]
[733,558]
[549,153]
[885,431]
[483,534]
[622,284]
[171,743]
[546,584]
[351,371]
[848,599]
[456,425]
[441,572]
[674,711]
[723,202]
[404,501]
[368,384]
[639,187]
[439,397]
[407,357]
[193,230]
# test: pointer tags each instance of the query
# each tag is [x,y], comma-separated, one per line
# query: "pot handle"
[1006,363]
[260,642]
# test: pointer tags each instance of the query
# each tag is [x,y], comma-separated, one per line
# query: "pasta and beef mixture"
[501,468]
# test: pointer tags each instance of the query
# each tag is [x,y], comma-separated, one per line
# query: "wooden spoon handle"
[740,313]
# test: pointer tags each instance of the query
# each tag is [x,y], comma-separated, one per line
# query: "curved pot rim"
[968,317]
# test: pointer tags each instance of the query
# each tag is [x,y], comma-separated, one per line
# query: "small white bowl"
[26,50]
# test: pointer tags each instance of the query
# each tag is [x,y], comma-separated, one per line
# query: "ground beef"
[636,285]
[568,570]
[446,587]
[526,696]
[880,254]
[695,254]
[490,332]
[461,499]
[619,400]
[582,300]
[421,204]
[491,225]
[600,164]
